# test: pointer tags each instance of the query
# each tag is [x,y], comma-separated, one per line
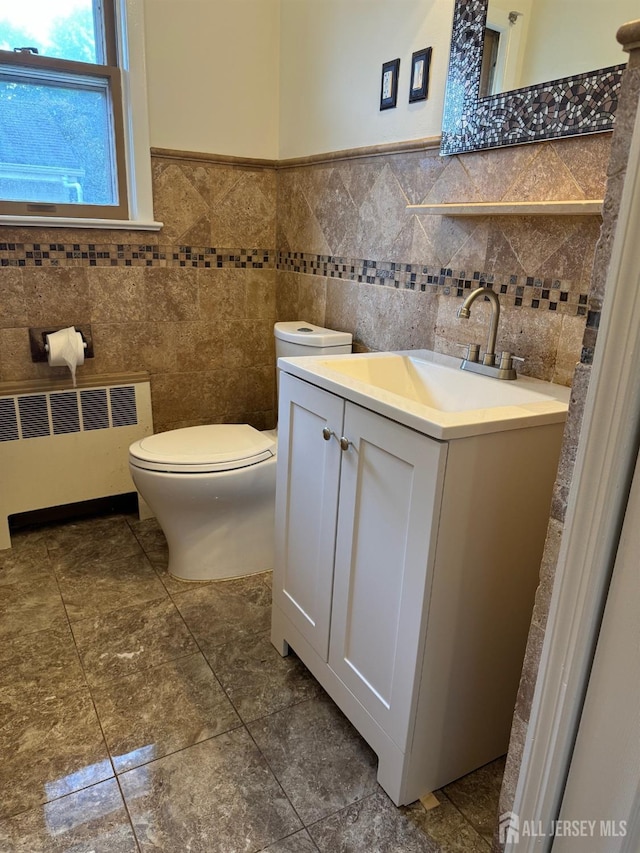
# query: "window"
[67,133]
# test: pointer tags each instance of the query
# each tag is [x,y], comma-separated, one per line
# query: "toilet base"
[218,526]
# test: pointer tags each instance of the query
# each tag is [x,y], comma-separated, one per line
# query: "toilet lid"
[202,449]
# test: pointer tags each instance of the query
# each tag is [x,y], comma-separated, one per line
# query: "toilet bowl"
[212,488]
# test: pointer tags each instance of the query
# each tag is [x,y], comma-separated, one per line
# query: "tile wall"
[331,243]
[193,305]
[353,258]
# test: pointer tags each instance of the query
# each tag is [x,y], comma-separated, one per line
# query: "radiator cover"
[64,446]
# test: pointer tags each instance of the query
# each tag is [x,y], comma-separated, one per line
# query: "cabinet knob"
[344,443]
[327,433]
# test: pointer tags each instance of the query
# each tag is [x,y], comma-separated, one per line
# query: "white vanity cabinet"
[405,574]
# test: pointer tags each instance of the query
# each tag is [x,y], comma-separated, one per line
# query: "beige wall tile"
[117,294]
[342,305]
[260,294]
[287,296]
[176,203]
[56,296]
[312,299]
[569,349]
[13,310]
[171,294]
[393,319]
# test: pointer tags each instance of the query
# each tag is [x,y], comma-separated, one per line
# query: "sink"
[435,385]
[428,392]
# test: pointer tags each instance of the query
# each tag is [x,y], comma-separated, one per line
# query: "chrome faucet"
[488,367]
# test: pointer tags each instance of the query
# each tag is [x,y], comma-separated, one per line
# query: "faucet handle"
[473,351]
[506,360]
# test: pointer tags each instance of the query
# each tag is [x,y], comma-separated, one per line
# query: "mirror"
[516,108]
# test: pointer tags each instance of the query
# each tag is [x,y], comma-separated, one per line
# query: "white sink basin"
[430,393]
[435,385]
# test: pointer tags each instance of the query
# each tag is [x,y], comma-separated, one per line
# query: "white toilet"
[212,488]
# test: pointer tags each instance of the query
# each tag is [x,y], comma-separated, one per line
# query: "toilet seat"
[202,449]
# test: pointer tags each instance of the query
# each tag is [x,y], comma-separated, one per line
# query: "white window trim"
[131,49]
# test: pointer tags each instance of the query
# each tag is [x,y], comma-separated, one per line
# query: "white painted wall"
[213,75]
[289,78]
[571,36]
[331,55]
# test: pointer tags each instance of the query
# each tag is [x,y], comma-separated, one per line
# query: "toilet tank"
[301,338]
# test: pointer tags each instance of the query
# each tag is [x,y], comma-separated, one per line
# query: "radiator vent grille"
[123,406]
[66,412]
[65,415]
[34,416]
[8,419]
[95,411]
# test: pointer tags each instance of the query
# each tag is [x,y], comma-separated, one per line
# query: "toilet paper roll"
[65,348]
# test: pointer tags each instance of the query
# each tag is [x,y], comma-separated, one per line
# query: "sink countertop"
[541,402]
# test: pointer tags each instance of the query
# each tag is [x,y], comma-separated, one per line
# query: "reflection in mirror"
[569,105]
[528,42]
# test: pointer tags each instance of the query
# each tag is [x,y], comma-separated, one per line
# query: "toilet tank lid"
[213,447]
[303,333]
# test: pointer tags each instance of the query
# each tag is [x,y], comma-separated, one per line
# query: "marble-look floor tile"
[149,534]
[98,586]
[50,748]
[477,796]
[32,603]
[447,827]
[162,710]
[93,820]
[218,796]
[43,665]
[75,543]
[225,611]
[299,842]
[258,680]
[132,639]
[21,563]
[317,756]
[374,823]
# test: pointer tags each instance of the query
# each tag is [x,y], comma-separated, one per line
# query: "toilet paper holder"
[38,340]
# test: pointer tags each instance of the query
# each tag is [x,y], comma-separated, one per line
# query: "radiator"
[69,445]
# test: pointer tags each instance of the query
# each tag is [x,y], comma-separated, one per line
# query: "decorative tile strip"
[131,255]
[548,294]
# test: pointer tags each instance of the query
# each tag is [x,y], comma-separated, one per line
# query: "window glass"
[64,29]
[62,147]
[56,141]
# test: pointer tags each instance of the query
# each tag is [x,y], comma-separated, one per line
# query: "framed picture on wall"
[389,85]
[420,62]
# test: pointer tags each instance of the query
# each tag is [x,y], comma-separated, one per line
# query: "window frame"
[125,54]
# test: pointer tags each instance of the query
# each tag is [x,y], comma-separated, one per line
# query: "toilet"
[212,488]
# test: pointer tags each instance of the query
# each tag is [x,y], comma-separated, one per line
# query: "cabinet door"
[390,490]
[308,472]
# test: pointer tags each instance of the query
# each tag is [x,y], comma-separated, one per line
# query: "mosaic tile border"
[51,255]
[519,291]
[549,294]
[585,103]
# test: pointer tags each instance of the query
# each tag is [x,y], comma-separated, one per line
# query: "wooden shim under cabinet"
[592,207]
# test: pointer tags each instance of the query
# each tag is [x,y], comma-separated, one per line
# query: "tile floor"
[140,713]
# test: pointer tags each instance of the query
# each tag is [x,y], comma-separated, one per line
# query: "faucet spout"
[465,313]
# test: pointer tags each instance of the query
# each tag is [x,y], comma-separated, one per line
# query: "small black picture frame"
[389,84]
[419,85]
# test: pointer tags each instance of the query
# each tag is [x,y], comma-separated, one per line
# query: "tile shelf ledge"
[586,207]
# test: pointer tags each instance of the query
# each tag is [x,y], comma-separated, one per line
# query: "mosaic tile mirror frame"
[584,103]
